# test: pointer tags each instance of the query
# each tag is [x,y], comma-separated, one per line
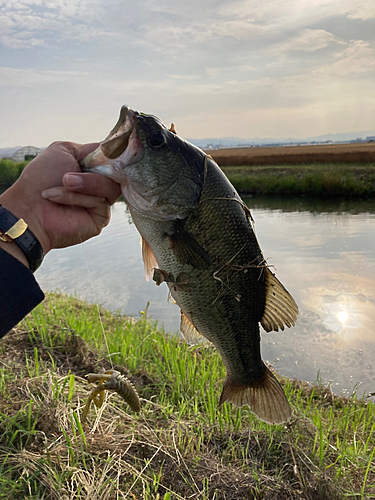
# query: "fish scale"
[238,298]
[197,236]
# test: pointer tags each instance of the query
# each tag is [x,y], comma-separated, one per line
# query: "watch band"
[14,229]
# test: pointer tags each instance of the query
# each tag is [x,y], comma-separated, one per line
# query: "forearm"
[16,236]
[14,251]
[17,201]
[19,292]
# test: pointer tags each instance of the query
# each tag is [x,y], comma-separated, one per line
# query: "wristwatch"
[14,229]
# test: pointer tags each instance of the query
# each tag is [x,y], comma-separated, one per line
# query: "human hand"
[61,205]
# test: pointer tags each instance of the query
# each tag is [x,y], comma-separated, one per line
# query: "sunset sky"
[262,68]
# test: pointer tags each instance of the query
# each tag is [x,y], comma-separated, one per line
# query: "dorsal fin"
[280,308]
[149,260]
[189,332]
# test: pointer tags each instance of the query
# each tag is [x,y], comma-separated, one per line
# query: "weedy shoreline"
[180,445]
[317,180]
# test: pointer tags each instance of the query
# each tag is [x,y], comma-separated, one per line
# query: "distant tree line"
[9,172]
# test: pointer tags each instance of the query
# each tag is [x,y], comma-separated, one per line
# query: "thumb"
[85,149]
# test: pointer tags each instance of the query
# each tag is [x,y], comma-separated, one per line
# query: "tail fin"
[266,399]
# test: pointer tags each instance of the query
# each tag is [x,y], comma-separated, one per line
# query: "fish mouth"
[119,149]
[118,139]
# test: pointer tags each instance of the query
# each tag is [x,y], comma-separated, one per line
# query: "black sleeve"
[19,292]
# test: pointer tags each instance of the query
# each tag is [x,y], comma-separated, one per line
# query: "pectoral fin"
[187,250]
[189,332]
[280,308]
[149,260]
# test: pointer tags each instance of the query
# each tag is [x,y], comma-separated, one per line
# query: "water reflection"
[342,316]
[327,261]
[335,205]
[323,252]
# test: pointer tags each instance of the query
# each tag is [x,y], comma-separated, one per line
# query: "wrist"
[15,202]
[17,238]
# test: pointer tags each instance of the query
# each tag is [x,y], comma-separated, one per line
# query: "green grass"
[10,171]
[315,180]
[180,445]
[308,180]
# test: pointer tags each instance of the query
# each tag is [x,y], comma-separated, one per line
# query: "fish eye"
[157,139]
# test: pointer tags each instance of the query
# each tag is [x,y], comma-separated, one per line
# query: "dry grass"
[179,447]
[295,155]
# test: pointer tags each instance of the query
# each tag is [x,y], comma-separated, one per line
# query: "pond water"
[323,253]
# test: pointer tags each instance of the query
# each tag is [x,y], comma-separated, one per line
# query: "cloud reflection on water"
[327,261]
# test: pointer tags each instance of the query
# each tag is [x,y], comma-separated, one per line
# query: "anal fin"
[189,332]
[280,308]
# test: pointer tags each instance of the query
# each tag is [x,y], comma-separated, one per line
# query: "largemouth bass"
[197,236]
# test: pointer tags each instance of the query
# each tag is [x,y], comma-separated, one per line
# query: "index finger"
[92,184]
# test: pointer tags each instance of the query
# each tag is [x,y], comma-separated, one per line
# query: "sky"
[215,68]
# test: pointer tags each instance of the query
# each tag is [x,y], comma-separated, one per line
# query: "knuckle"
[71,147]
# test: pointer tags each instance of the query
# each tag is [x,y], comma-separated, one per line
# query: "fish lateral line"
[240,202]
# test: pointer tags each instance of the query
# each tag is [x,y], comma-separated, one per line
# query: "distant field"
[296,155]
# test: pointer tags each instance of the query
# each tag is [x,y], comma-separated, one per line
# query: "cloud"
[28,23]
[21,40]
[359,57]
[298,13]
[306,40]
[14,77]
[359,9]
[275,61]
[184,77]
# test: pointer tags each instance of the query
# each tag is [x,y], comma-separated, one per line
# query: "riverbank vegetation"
[10,171]
[181,445]
[320,180]
[335,170]
[346,170]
